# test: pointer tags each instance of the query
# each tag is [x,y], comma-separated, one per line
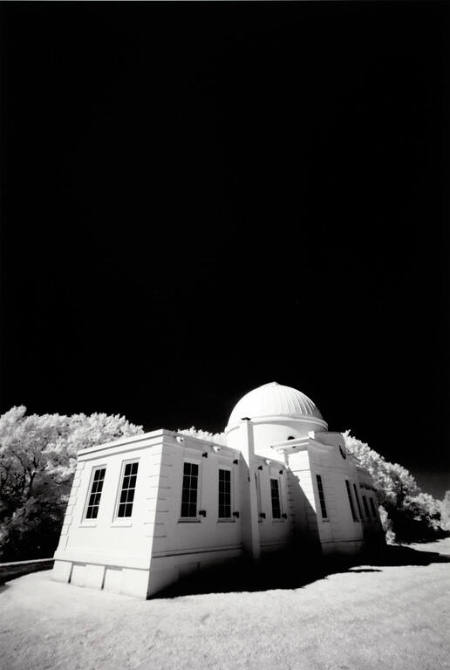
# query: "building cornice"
[282,418]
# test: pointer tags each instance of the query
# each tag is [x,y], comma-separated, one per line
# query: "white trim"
[280,418]
[117,518]
[140,437]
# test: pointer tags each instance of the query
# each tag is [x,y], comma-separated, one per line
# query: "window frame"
[85,521]
[321,495]
[280,506]
[125,519]
[259,498]
[196,518]
[358,502]
[351,501]
[373,509]
[225,468]
[366,507]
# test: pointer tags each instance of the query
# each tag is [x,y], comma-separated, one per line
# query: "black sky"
[201,198]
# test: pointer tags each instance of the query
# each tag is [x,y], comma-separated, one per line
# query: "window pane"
[366,509]
[275,496]
[357,500]
[126,499]
[323,506]
[95,493]
[350,500]
[189,490]
[224,494]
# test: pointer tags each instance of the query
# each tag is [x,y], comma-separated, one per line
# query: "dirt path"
[377,617]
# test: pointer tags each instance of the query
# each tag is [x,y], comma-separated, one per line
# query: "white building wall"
[373,531]
[185,545]
[343,533]
[302,500]
[338,532]
[110,552]
[275,534]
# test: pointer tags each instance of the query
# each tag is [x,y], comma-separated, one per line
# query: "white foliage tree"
[406,512]
[37,461]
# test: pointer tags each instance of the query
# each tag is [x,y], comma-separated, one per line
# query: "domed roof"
[273,400]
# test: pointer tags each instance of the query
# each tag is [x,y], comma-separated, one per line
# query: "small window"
[323,506]
[224,494]
[275,495]
[189,490]
[125,508]
[366,508]
[350,500]
[95,493]
[357,500]
[372,507]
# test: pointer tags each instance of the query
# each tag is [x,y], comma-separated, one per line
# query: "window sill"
[189,520]
[325,520]
[121,524]
[88,524]
[226,520]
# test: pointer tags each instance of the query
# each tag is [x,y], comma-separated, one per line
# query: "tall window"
[95,493]
[350,500]
[366,509]
[258,495]
[323,506]
[372,507]
[357,500]
[224,494]
[275,495]
[128,488]
[189,490]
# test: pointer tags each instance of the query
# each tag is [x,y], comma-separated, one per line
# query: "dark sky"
[199,199]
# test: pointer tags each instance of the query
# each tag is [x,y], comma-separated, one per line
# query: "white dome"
[274,400]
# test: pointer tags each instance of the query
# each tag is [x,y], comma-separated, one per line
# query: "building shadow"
[396,555]
[285,571]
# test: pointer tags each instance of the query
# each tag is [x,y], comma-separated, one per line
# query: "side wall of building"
[326,487]
[341,530]
[373,530]
[108,551]
[186,545]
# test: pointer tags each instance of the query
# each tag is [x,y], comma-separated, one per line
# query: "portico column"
[250,524]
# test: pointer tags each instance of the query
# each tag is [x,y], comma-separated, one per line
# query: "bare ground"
[394,614]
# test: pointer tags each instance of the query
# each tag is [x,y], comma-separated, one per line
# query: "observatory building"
[149,509]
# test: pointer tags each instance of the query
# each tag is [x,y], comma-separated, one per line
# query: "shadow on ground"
[283,571]
[10,571]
